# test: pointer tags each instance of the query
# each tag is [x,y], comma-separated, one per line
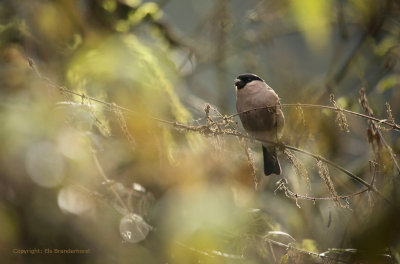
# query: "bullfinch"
[266,122]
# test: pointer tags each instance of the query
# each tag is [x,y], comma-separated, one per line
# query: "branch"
[282,185]
[289,247]
[208,129]
[375,128]
[322,255]
[394,126]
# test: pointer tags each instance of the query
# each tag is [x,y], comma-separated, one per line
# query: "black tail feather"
[271,162]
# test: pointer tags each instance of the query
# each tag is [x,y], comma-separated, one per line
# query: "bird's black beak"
[239,84]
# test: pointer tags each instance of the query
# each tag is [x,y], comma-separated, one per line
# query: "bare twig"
[282,186]
[374,127]
[64,89]
[106,179]
[208,129]
[298,167]
[391,125]
[301,251]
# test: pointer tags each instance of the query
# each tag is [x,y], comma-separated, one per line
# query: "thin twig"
[282,186]
[302,251]
[110,105]
[205,129]
[375,127]
[106,179]
[318,157]
[384,121]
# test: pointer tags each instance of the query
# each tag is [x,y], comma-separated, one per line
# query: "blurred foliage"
[116,134]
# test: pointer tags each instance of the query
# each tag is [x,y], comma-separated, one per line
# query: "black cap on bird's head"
[245,78]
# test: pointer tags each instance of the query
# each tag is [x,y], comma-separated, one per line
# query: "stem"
[206,128]
[389,124]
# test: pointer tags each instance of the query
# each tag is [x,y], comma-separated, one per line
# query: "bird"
[261,115]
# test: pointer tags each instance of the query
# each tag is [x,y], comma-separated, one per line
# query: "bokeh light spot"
[72,200]
[44,164]
[133,228]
